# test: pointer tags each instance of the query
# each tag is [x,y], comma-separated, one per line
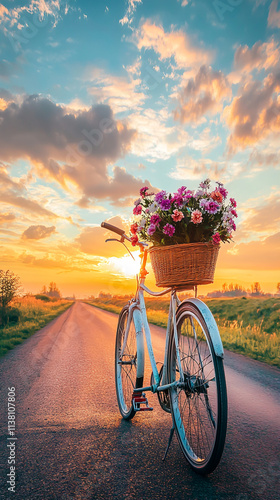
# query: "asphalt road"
[73,444]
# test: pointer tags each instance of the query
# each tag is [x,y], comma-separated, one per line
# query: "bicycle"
[191,381]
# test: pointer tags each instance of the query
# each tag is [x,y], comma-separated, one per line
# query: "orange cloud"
[202,94]
[92,240]
[260,56]
[261,220]
[256,255]
[174,44]
[38,232]
[6,217]
[254,113]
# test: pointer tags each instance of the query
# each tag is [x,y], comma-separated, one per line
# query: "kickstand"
[169,442]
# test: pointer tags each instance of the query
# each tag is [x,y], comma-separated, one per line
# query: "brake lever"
[120,241]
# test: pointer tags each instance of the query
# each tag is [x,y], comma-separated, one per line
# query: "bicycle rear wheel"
[126,365]
[199,405]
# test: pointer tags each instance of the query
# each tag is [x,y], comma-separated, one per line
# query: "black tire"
[126,368]
[199,407]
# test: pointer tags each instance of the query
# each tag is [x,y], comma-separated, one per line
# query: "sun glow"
[125,266]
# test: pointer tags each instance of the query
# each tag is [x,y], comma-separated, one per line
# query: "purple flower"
[177,199]
[159,196]
[203,203]
[199,192]
[212,207]
[155,220]
[169,230]
[151,229]
[165,204]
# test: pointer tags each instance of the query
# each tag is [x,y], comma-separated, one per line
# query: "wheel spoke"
[126,371]
[195,404]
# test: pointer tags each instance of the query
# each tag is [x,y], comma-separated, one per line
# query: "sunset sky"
[98,98]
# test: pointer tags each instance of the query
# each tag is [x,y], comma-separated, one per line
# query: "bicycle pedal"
[138,400]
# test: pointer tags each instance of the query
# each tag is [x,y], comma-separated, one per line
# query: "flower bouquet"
[185,229]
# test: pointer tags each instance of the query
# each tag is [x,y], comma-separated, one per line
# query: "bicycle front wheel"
[199,403]
[126,365]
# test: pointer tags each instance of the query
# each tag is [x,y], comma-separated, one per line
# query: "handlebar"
[121,232]
[113,228]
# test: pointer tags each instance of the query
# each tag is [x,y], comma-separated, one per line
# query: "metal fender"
[137,318]
[211,324]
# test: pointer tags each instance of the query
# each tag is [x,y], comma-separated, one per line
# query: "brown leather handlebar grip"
[112,228]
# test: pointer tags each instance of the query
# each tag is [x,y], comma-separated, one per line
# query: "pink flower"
[233,202]
[169,230]
[216,238]
[196,217]
[234,213]
[217,196]
[223,191]
[143,191]
[155,219]
[137,210]
[151,229]
[177,215]
[181,190]
[188,194]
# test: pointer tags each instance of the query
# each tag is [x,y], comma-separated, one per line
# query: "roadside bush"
[9,315]
[43,297]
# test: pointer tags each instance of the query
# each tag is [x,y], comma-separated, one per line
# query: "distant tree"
[256,288]
[103,295]
[44,290]
[278,288]
[53,290]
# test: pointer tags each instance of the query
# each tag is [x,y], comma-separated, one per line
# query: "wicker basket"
[184,265]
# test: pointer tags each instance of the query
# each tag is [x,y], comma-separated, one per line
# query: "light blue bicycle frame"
[137,313]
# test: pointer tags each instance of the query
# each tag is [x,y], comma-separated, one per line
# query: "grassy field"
[249,326]
[35,314]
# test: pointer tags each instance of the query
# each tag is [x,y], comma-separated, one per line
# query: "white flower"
[153,207]
[142,224]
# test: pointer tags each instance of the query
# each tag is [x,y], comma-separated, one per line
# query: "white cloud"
[155,140]
[130,11]
[188,168]
[120,93]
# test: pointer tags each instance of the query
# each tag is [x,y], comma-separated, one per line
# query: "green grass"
[35,314]
[250,326]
